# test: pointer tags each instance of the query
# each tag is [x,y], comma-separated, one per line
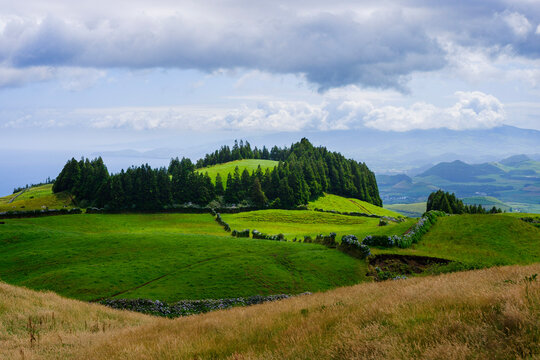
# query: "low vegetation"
[169,257]
[487,314]
[478,241]
[342,204]
[300,223]
[36,198]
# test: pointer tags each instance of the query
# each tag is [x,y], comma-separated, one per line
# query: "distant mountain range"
[513,180]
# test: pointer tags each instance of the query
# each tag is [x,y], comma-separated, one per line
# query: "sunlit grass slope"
[36,198]
[483,314]
[342,204]
[481,240]
[162,256]
[413,210]
[299,223]
[226,168]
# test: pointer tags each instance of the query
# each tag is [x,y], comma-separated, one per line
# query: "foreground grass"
[300,223]
[342,204]
[479,240]
[228,168]
[162,256]
[486,314]
[36,198]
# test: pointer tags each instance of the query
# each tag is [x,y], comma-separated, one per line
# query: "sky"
[125,74]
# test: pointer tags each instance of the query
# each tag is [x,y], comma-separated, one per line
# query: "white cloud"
[538,30]
[474,110]
[518,23]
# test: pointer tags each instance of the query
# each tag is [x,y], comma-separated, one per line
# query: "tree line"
[450,204]
[303,173]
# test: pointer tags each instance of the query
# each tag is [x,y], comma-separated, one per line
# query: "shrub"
[329,241]
[350,245]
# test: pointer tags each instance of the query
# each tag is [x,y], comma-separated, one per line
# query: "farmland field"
[166,256]
[339,203]
[300,223]
[479,241]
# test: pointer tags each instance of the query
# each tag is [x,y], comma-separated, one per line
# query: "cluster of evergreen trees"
[303,173]
[450,204]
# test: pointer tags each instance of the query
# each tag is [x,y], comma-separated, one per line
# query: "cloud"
[474,110]
[518,23]
[368,43]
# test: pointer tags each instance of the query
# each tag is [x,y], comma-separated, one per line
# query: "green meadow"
[300,223]
[228,168]
[36,198]
[167,256]
[339,203]
[479,241]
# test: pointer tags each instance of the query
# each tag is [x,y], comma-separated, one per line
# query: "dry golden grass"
[486,314]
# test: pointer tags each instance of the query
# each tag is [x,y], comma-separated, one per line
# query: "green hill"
[487,202]
[339,203]
[35,198]
[479,241]
[161,256]
[228,168]
[300,223]
[412,210]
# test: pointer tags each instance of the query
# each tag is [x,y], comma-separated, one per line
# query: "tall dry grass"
[485,314]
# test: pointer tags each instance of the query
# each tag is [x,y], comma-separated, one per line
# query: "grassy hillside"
[412,210]
[479,240]
[36,198]
[487,202]
[486,314]
[225,169]
[166,256]
[339,203]
[298,223]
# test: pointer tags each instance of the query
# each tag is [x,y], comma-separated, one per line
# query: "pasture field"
[412,210]
[35,198]
[300,223]
[342,204]
[479,241]
[162,256]
[487,314]
[226,168]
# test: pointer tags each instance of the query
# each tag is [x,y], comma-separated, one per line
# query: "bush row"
[240,233]
[259,235]
[411,236]
[351,246]
[385,218]
[187,307]
[220,221]
[37,213]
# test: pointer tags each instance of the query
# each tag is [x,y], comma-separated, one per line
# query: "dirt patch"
[389,266]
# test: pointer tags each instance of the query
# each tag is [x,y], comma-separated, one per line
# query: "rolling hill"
[515,181]
[491,313]
[162,256]
[228,168]
[36,198]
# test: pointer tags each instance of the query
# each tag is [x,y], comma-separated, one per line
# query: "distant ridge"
[458,171]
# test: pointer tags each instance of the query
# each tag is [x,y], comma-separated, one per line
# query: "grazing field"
[412,210]
[485,314]
[36,198]
[226,168]
[479,240]
[300,223]
[339,203]
[162,256]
